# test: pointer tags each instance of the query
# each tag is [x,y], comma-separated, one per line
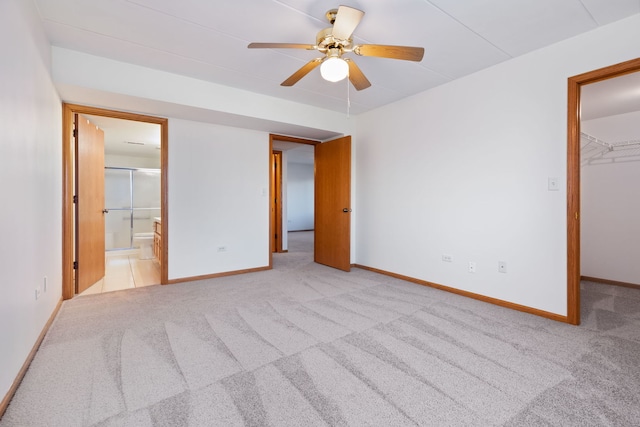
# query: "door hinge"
[75,133]
[275,236]
[75,265]
[75,199]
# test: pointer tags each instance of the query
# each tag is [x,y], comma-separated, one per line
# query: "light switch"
[553,184]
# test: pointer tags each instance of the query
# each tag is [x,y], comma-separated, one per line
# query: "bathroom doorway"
[145,177]
[131,210]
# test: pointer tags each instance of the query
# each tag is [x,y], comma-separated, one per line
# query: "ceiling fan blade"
[306,68]
[407,53]
[281,46]
[347,20]
[357,76]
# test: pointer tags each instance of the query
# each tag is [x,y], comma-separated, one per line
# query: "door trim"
[68,110]
[276,200]
[573,175]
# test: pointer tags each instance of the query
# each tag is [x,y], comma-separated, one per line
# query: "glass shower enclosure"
[132,199]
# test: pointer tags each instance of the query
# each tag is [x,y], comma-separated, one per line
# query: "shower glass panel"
[146,200]
[132,197]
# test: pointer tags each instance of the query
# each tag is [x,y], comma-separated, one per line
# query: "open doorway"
[332,201]
[575,85]
[132,200]
[293,194]
[72,234]
[610,171]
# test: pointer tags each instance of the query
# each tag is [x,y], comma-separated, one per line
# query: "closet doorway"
[575,85]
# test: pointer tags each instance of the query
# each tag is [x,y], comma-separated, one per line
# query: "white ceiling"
[208,39]
[128,137]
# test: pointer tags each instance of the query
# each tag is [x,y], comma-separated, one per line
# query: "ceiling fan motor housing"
[325,41]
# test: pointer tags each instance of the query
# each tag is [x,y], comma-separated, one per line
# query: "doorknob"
[346,210]
[104,211]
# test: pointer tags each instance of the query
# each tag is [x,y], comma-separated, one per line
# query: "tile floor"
[124,270]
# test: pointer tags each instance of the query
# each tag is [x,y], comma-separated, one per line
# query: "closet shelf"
[595,151]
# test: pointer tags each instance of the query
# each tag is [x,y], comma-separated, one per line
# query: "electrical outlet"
[222,249]
[502,266]
[472,267]
[447,258]
[37,292]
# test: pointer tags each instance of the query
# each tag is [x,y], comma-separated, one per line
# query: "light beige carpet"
[307,345]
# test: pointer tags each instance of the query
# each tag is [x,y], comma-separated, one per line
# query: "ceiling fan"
[337,40]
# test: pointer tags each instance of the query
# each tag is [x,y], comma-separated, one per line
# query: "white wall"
[610,229]
[30,186]
[610,199]
[178,96]
[102,82]
[218,196]
[462,170]
[300,201]
[120,161]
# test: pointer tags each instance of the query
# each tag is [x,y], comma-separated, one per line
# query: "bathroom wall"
[116,160]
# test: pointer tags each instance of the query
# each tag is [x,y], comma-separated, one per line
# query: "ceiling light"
[334,69]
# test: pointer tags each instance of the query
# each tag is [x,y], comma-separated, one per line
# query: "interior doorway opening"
[292,190]
[71,237]
[610,171]
[573,176]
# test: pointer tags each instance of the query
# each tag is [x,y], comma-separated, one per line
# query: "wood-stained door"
[89,184]
[332,243]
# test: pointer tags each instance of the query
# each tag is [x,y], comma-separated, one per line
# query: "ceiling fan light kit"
[337,40]
[334,69]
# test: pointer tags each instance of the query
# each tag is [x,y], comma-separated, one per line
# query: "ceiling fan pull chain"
[348,99]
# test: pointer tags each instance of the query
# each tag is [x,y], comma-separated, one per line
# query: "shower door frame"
[68,188]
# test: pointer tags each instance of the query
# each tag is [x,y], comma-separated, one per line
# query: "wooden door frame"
[284,138]
[276,200]
[573,175]
[68,155]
